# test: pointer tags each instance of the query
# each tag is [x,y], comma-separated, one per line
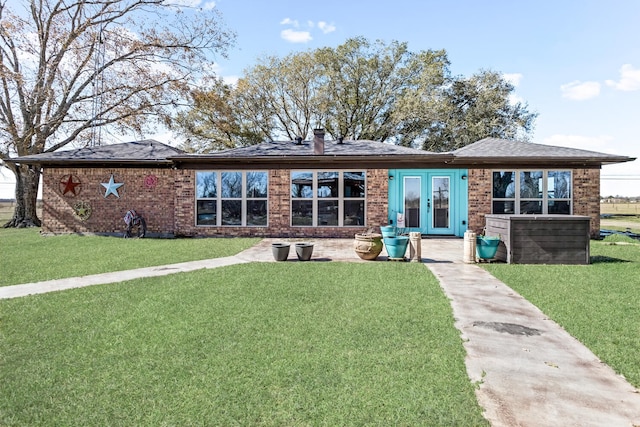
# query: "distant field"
[620,208]
[6,211]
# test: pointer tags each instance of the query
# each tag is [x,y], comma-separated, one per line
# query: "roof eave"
[546,162]
[91,162]
[319,161]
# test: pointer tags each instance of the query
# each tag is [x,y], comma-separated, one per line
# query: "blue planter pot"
[487,247]
[396,246]
[388,230]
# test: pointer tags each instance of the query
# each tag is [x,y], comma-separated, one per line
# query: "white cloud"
[297,35]
[629,79]
[183,3]
[580,91]
[209,5]
[326,28]
[600,143]
[289,21]
[513,78]
[294,36]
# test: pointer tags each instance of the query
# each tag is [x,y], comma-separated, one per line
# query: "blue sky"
[575,62]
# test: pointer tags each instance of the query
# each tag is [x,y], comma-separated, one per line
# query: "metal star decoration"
[82,210]
[69,185]
[111,187]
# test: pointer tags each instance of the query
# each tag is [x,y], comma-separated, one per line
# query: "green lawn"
[29,257]
[599,304]
[269,344]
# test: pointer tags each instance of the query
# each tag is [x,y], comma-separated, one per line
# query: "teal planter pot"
[487,247]
[396,246]
[388,230]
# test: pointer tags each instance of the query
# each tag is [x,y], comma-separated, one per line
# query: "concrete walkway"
[531,372]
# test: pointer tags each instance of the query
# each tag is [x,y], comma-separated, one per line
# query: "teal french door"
[429,201]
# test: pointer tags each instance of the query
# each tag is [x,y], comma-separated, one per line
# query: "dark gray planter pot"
[304,251]
[280,251]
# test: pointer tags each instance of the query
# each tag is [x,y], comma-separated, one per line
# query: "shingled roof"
[147,151]
[493,152]
[486,153]
[274,154]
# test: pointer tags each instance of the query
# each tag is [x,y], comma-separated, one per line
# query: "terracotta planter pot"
[368,245]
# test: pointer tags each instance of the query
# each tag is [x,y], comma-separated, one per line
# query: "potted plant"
[388,230]
[304,251]
[368,245]
[396,246]
[487,246]
[280,251]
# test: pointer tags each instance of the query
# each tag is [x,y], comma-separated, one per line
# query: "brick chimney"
[318,142]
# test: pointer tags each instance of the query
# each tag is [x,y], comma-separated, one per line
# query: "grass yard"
[598,303]
[620,208]
[268,344]
[73,255]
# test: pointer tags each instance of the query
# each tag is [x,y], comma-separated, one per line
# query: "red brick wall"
[586,197]
[169,206]
[154,202]
[279,209]
[479,197]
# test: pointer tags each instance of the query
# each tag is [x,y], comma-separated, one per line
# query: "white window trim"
[219,198]
[545,193]
[315,199]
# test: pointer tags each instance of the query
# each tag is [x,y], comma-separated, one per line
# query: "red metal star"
[69,186]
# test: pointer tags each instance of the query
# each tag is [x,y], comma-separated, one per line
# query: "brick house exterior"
[159,182]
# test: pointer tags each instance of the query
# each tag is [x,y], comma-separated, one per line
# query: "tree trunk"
[27,180]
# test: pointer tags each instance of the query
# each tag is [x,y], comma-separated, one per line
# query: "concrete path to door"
[531,372]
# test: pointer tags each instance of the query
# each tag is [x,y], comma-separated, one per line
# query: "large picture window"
[231,198]
[523,192]
[328,198]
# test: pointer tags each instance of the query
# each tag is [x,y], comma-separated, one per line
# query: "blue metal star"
[112,187]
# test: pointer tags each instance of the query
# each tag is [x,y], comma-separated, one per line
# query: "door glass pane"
[412,201]
[440,197]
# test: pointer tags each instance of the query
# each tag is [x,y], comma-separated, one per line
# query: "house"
[317,188]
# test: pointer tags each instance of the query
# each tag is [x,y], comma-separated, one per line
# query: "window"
[531,192]
[231,198]
[327,198]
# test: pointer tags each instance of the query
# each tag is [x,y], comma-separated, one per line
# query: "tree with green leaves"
[470,109]
[68,68]
[371,90]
